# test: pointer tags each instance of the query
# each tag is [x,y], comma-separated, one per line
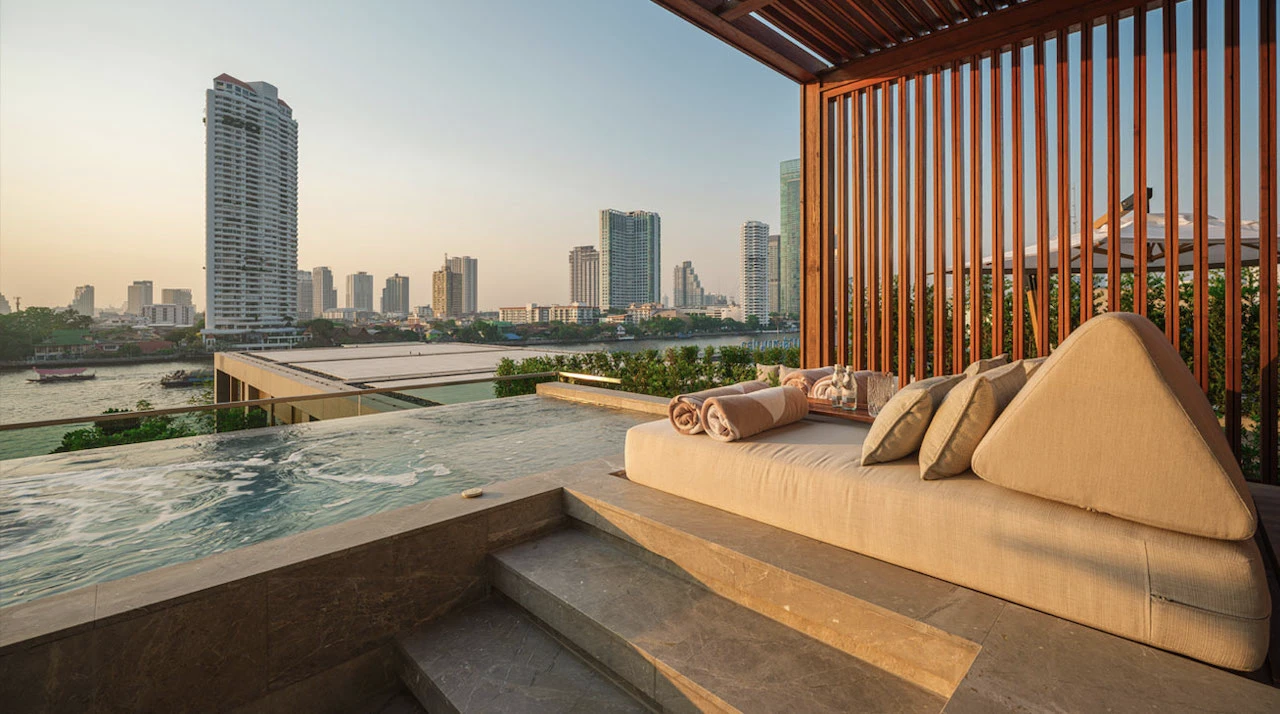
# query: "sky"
[497,130]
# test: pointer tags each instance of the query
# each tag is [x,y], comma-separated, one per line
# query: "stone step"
[919,628]
[493,657]
[683,646]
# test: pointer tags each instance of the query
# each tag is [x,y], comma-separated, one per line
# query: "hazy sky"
[492,129]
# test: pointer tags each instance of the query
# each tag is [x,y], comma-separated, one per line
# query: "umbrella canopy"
[1154,244]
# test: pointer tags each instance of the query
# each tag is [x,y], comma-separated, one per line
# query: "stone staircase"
[648,602]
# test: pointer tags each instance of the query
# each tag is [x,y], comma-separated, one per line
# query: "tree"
[753,323]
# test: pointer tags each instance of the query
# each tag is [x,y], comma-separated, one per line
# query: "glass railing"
[81,432]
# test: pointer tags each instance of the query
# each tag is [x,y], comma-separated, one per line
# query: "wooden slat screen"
[952,200]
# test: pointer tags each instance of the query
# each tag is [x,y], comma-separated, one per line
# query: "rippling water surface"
[83,517]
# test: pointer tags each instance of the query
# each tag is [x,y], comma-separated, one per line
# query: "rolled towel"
[739,416]
[685,410]
[804,379]
[823,388]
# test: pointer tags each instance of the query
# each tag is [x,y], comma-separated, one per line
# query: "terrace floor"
[577,590]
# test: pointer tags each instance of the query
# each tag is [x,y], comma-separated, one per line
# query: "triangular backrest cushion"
[1113,421]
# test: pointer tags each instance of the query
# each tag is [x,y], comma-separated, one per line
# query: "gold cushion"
[964,417]
[1115,422]
[1031,365]
[901,424]
[982,365]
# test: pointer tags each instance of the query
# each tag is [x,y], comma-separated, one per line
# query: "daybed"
[1205,597]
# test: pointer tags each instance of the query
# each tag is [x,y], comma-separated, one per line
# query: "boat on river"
[183,378]
[67,374]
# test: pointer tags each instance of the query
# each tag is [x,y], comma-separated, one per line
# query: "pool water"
[68,520]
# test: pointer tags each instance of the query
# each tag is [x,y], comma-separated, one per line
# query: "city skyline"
[422,191]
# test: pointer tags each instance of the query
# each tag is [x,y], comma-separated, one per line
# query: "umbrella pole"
[1035,312]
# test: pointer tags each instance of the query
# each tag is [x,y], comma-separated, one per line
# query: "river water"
[121,386]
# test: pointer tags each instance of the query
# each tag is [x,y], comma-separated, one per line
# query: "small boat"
[70,374]
[183,378]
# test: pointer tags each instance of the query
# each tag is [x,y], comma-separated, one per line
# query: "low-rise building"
[169,315]
[575,313]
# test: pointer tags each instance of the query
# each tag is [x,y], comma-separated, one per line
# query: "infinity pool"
[68,520]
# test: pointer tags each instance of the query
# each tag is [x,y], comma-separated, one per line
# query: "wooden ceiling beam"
[1011,24]
[752,37]
[733,9]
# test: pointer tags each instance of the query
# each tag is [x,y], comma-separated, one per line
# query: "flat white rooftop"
[399,364]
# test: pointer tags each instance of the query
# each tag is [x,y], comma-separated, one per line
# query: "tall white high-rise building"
[630,258]
[306,297]
[83,302]
[360,291]
[139,296]
[686,287]
[324,296]
[176,296]
[753,271]
[251,211]
[584,275]
[466,267]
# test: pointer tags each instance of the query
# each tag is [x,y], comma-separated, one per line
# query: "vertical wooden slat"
[997,206]
[1113,163]
[1086,172]
[814,325]
[918,347]
[1231,119]
[1018,222]
[1267,278]
[1140,163]
[1172,218]
[957,222]
[886,242]
[857,251]
[904,235]
[939,231]
[873,231]
[1064,185]
[1200,199]
[975,209]
[842,197]
[826,245]
[1041,311]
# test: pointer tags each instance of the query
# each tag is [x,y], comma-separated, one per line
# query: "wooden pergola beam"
[752,37]
[977,36]
[734,9]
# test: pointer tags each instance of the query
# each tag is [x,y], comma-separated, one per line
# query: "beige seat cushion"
[1115,422]
[964,417]
[901,424]
[982,365]
[1200,597]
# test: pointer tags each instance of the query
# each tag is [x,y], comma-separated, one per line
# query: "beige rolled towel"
[742,415]
[823,388]
[804,379]
[685,410]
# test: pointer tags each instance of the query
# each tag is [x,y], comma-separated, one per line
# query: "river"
[121,386]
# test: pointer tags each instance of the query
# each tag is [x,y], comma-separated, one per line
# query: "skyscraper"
[773,271]
[686,290]
[584,275]
[306,297]
[83,302]
[4,305]
[630,258]
[465,266]
[324,296]
[176,296]
[251,209]
[446,292]
[360,292]
[395,296]
[753,271]
[139,296]
[789,238]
